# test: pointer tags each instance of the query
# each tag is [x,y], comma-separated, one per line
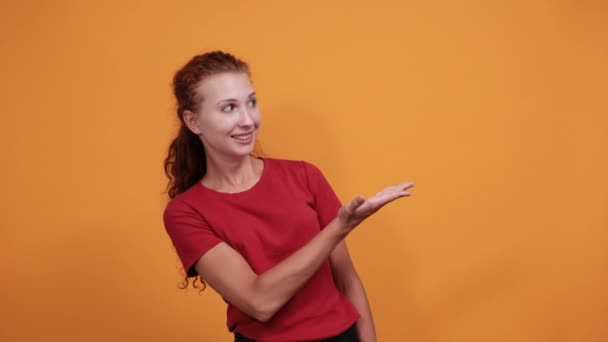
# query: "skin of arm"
[262,296]
[348,282]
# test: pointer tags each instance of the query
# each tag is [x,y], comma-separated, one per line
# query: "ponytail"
[185,163]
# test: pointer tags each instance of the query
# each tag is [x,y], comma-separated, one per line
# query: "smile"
[242,136]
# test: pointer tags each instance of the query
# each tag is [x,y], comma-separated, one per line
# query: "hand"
[353,213]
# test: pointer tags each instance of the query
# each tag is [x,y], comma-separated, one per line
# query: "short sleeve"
[326,202]
[189,232]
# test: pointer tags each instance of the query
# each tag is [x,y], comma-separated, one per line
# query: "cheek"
[221,123]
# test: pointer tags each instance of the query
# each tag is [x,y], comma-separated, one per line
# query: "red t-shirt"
[282,212]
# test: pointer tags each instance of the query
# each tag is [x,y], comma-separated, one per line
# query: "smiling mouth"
[242,136]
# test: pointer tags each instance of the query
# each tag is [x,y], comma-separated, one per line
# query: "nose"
[245,118]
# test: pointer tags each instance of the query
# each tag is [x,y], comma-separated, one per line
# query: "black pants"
[349,335]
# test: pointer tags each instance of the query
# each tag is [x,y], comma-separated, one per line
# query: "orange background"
[496,109]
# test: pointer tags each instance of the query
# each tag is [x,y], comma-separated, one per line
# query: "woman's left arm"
[348,282]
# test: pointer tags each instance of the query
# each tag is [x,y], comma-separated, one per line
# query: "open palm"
[360,208]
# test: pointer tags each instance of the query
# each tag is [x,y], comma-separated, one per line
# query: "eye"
[253,102]
[228,108]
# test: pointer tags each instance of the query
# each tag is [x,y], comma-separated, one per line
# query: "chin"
[245,151]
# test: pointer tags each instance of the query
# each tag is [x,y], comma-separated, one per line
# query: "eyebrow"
[234,100]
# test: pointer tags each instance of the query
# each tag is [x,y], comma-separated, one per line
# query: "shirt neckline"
[244,192]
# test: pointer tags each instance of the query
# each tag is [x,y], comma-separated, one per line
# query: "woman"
[267,234]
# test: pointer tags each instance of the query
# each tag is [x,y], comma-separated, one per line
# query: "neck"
[225,174]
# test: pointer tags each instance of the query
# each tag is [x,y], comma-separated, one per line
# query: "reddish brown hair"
[185,163]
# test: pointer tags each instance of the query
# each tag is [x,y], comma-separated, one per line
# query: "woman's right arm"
[261,296]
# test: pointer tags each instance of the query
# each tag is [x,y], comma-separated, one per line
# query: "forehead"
[225,85]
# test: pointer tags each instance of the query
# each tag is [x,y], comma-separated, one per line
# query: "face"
[228,118]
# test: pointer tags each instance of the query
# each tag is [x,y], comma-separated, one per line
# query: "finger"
[380,201]
[358,201]
[355,203]
[406,185]
[402,193]
[390,194]
[398,187]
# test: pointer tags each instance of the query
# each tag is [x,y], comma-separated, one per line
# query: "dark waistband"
[350,335]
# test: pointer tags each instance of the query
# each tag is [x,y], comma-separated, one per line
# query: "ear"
[191,121]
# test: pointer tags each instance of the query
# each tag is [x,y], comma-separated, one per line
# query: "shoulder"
[185,204]
[292,164]
[306,174]
[175,208]
[302,169]
[191,198]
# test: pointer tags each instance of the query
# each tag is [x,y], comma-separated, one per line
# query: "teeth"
[242,137]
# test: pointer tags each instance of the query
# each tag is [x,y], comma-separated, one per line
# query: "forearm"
[276,286]
[355,292]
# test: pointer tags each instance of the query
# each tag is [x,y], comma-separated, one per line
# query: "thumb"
[355,203]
